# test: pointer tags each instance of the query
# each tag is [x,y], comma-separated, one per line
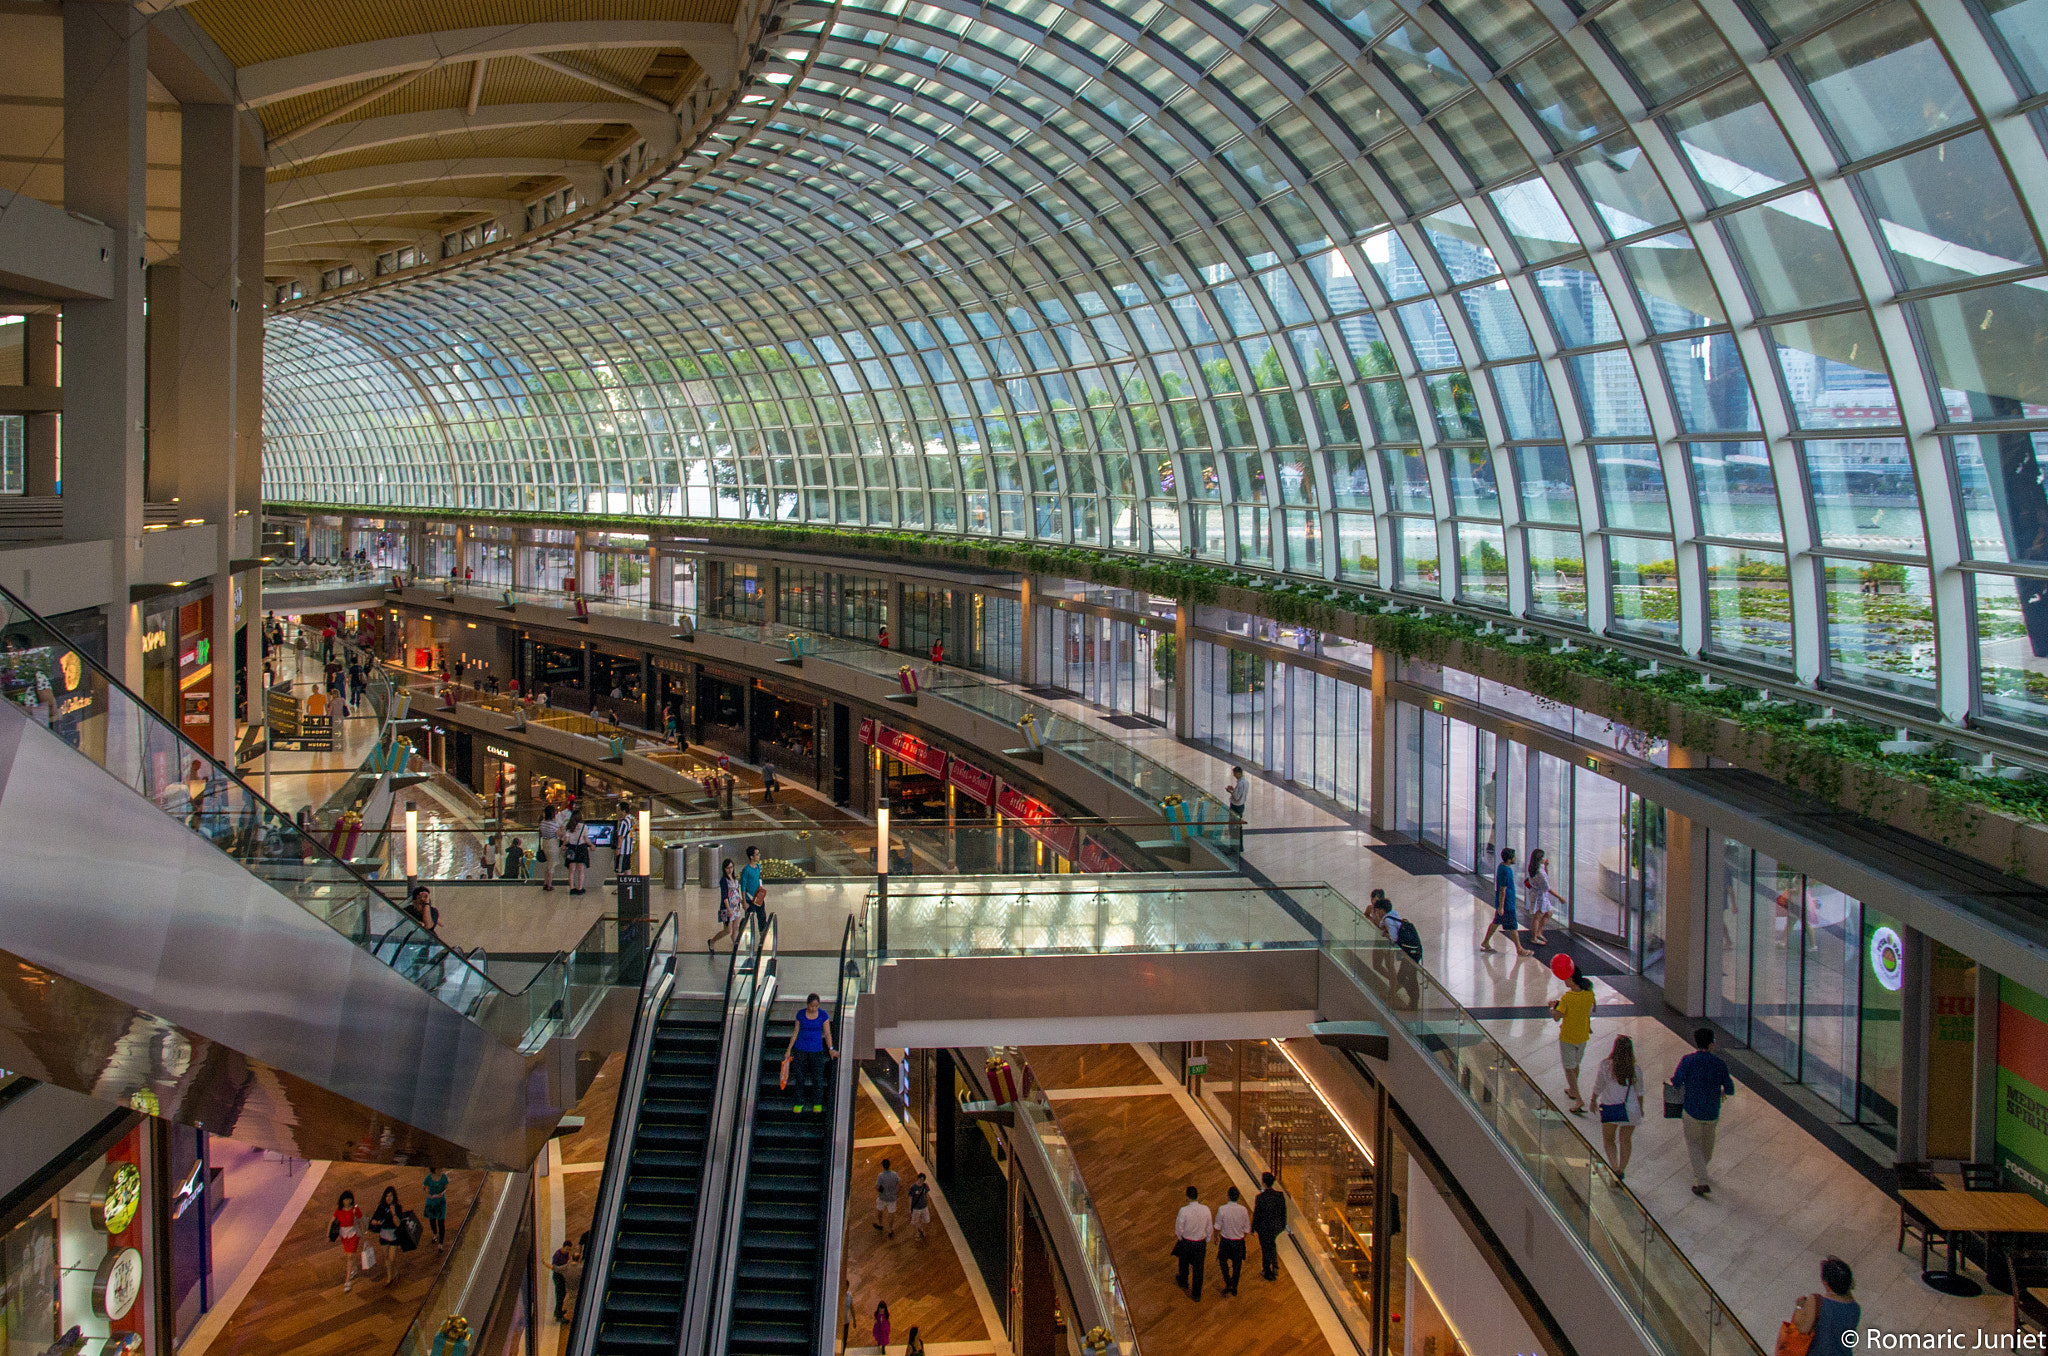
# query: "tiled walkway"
[1782,1200]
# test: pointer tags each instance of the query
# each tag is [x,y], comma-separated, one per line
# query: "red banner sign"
[1038,820]
[867,730]
[1097,859]
[908,748]
[975,784]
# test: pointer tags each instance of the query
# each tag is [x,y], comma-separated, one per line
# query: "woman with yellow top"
[1573,1012]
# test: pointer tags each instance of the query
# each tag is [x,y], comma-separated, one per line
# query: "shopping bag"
[1674,1101]
[369,1255]
[784,1084]
[1791,1341]
[409,1231]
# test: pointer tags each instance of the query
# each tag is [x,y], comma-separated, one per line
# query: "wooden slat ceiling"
[592,126]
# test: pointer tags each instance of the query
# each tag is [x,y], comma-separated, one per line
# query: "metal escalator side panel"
[837,1185]
[154,971]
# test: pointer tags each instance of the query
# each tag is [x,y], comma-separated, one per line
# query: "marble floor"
[1782,1200]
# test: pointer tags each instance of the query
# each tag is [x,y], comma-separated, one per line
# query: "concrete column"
[1984,1128]
[1027,667]
[896,633]
[248,529]
[209,237]
[106,49]
[165,289]
[771,585]
[1915,1013]
[39,369]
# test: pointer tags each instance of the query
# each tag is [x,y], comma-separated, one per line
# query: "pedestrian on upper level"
[888,1187]
[1233,1224]
[1191,1229]
[1573,1012]
[549,849]
[1234,796]
[1542,900]
[1269,1221]
[920,1207]
[1504,919]
[1829,1318]
[812,1049]
[346,1228]
[576,850]
[1704,1077]
[1618,1092]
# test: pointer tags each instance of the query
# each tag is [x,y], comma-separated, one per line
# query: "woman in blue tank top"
[1831,1315]
[810,1046]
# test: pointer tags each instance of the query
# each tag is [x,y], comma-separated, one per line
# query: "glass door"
[1435,741]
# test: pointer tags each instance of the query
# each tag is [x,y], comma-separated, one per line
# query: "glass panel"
[2024,26]
[1881,626]
[1669,46]
[1857,74]
[1482,565]
[1832,987]
[2012,646]
[1834,374]
[1358,548]
[1788,252]
[1473,491]
[1733,143]
[1728,944]
[1864,496]
[1407,481]
[1609,398]
[1418,563]
[1643,585]
[1599,875]
[1557,574]
[1749,604]
[1530,212]
[1419,66]
[1947,214]
[1881,1030]
[1672,283]
[1630,478]
[1561,93]
[1623,187]
[1392,416]
[1735,492]
[1428,337]
[1544,475]
[1578,307]
[1984,348]
[1774,1002]
[2005,506]
[1480,138]
[1525,404]
[1708,386]
[1456,411]
[1496,321]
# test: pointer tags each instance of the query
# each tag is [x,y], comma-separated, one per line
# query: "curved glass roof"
[1712,325]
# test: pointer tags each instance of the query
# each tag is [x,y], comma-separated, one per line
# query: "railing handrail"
[442,1273]
[655,988]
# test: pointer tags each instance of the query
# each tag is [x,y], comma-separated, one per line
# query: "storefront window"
[82,1261]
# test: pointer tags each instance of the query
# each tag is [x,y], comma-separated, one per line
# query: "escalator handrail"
[718,1160]
[839,1160]
[714,1327]
[319,853]
[655,989]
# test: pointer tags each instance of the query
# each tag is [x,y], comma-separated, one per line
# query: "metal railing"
[839,1158]
[723,1262]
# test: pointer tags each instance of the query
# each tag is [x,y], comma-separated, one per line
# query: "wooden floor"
[1138,1156]
[922,1282]
[298,1305]
[597,1105]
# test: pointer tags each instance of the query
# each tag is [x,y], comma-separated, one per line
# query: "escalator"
[783,1246]
[642,1301]
[174,943]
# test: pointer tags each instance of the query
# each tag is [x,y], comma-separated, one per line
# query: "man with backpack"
[1407,941]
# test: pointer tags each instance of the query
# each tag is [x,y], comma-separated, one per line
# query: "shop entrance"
[1116,664]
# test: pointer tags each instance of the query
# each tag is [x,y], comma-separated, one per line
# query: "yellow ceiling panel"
[250,31]
[561,142]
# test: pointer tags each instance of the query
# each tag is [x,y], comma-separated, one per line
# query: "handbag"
[368,1255]
[1674,1101]
[409,1230]
[784,1084]
[1791,1341]
[1615,1113]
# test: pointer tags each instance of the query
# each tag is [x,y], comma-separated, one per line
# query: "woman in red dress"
[347,1230]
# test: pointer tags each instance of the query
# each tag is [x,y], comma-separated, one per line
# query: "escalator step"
[638,1306]
[781,1247]
[621,1339]
[767,1271]
[768,1339]
[670,1271]
[773,1304]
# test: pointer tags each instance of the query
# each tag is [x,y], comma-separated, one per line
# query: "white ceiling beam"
[713,46]
[476,86]
[597,81]
[308,188]
[377,209]
[368,133]
[336,114]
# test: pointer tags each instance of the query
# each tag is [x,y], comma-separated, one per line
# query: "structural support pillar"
[106,50]
[248,523]
[1184,671]
[1027,662]
[209,240]
[1384,754]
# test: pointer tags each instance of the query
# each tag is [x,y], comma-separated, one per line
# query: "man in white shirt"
[1234,795]
[1191,1230]
[1233,1222]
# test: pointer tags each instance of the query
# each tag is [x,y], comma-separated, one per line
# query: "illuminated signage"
[152,641]
[118,1283]
[116,1198]
[497,752]
[1888,958]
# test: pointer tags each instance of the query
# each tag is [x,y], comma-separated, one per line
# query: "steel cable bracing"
[1676,324]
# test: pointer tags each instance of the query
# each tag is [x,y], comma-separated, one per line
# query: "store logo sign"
[153,641]
[117,1197]
[118,1283]
[1888,959]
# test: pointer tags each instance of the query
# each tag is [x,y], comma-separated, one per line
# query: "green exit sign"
[1437,707]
